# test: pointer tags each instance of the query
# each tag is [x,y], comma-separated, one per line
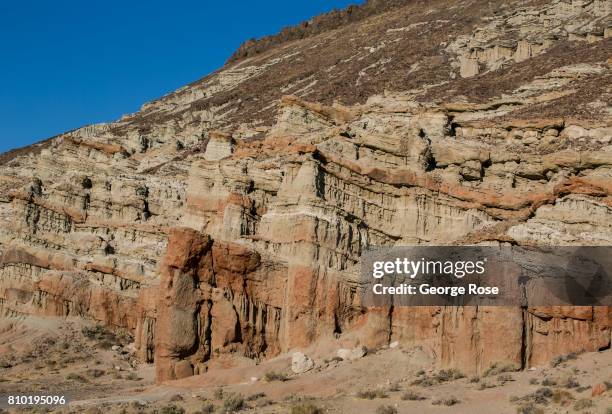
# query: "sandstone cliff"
[229,217]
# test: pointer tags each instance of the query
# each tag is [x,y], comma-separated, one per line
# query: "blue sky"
[69,63]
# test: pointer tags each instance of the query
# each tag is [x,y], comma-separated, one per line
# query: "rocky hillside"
[229,216]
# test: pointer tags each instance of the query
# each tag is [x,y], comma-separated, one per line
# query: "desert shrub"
[411,395]
[583,404]
[386,409]
[132,376]
[446,401]
[475,380]
[449,375]
[549,382]
[534,381]
[271,376]
[134,407]
[264,402]
[497,369]
[561,396]
[98,333]
[105,344]
[68,360]
[394,387]
[505,378]
[485,385]
[105,337]
[218,393]
[583,388]
[76,377]
[438,378]
[172,409]
[305,408]
[558,360]
[540,396]
[420,372]
[425,381]
[257,396]
[529,408]
[5,364]
[95,373]
[571,383]
[207,408]
[371,394]
[232,403]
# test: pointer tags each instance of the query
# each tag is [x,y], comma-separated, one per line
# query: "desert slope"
[228,217]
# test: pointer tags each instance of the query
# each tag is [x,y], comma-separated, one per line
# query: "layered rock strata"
[209,224]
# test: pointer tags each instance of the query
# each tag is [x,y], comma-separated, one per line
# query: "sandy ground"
[95,369]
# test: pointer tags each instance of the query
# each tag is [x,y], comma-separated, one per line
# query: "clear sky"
[69,63]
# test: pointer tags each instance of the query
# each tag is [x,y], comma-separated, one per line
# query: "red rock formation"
[248,241]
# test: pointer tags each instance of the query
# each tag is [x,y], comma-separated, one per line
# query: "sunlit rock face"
[229,217]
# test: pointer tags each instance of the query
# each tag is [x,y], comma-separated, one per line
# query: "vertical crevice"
[524,339]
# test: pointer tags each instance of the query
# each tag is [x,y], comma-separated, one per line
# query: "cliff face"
[229,217]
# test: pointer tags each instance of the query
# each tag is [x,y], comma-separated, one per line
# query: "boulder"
[352,354]
[599,389]
[301,363]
